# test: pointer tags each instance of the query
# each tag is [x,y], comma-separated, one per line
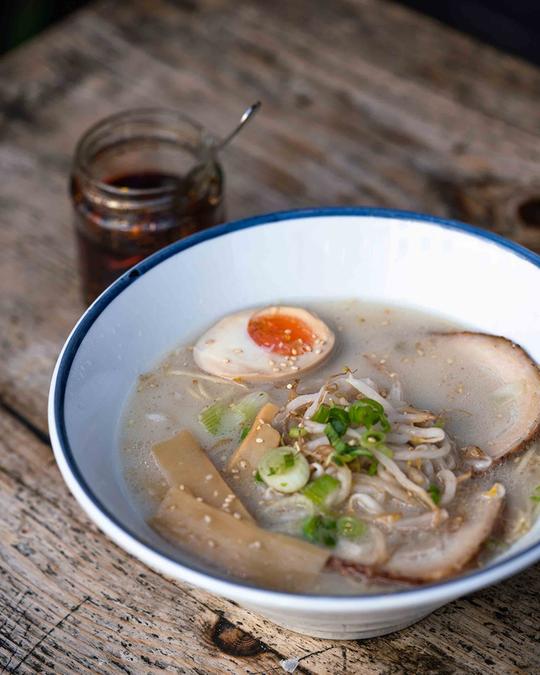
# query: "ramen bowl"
[472,276]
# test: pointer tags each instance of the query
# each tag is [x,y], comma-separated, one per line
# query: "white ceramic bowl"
[470,275]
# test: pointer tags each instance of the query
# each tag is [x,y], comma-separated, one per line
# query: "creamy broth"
[384,343]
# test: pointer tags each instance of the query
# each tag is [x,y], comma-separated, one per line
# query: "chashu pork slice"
[519,376]
[440,553]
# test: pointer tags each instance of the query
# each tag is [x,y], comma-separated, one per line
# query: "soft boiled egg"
[273,343]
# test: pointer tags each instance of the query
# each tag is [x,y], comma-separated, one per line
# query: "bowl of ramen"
[328,416]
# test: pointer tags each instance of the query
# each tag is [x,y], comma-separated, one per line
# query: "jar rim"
[81,161]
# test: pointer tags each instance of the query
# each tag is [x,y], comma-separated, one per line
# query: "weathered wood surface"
[364,103]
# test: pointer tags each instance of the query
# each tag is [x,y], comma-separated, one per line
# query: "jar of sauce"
[140,180]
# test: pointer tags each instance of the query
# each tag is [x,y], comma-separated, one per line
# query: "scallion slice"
[297,432]
[339,419]
[435,493]
[212,418]
[322,414]
[319,489]
[372,439]
[350,527]
[320,530]
[284,469]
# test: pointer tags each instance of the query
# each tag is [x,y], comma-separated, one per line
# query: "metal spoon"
[248,114]
[198,179]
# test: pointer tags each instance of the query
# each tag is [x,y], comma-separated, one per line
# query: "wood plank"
[80,604]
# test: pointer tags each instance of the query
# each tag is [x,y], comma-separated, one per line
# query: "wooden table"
[364,103]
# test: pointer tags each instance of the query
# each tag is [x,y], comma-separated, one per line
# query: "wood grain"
[364,103]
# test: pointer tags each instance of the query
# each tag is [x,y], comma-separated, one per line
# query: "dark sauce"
[112,238]
[148,180]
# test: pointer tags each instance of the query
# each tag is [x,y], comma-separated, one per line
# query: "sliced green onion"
[319,489]
[372,439]
[334,438]
[362,415]
[536,494]
[212,418]
[435,493]
[372,469]
[350,527]
[349,454]
[245,431]
[322,414]
[258,478]
[439,423]
[220,418]
[374,405]
[320,530]
[284,470]
[297,432]
[367,413]
[339,419]
[248,407]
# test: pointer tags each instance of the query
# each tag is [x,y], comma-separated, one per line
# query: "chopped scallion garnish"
[334,438]
[435,493]
[322,414]
[350,527]
[372,439]
[372,468]
[284,470]
[212,418]
[245,431]
[320,530]
[339,419]
[297,432]
[536,494]
[320,488]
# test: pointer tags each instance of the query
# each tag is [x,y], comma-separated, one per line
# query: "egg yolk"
[281,334]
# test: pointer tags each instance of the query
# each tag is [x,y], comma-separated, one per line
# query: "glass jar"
[140,180]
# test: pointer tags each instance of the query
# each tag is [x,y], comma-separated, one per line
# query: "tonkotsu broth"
[375,341]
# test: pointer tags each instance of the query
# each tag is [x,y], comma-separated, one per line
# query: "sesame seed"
[207,519]
[289,386]
[294,352]
[199,499]
[259,440]
[211,543]
[208,476]
[237,515]
[215,493]
[226,360]
[234,470]
[287,331]
[243,464]
[255,544]
[181,487]
[238,351]
[318,351]
[295,368]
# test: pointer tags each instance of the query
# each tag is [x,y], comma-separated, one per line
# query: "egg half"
[274,343]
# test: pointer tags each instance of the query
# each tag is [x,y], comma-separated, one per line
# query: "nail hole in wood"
[529,212]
